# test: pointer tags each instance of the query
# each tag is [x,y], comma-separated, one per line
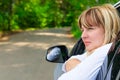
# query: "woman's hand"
[72,63]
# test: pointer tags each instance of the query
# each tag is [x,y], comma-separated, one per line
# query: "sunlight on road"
[52,34]
[23,55]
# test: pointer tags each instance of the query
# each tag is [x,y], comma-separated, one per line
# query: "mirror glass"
[57,54]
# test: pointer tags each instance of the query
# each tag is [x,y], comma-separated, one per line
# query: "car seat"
[110,70]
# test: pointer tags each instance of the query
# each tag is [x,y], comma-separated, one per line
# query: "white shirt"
[79,57]
[89,67]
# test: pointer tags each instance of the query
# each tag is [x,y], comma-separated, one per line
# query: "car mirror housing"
[57,54]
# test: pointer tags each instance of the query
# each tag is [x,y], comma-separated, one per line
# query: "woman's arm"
[70,64]
[88,68]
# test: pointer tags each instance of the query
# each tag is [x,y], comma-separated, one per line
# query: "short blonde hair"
[106,16]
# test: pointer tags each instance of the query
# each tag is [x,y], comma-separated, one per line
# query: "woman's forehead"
[89,21]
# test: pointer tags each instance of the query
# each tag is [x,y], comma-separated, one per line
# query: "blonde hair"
[105,16]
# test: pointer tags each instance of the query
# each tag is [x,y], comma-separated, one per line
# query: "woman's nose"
[84,34]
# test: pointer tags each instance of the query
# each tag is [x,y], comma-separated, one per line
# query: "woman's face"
[93,37]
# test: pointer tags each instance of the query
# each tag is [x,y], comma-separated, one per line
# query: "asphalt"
[22,56]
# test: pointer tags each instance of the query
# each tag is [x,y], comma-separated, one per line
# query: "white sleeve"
[88,68]
[79,57]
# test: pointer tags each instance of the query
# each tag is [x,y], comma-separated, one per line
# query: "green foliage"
[25,16]
[38,14]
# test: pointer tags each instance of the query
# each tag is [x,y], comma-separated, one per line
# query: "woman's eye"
[90,28]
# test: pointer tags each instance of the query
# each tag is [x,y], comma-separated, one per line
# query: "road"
[22,57]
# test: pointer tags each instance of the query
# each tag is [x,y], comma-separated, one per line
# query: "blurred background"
[43,23]
[19,15]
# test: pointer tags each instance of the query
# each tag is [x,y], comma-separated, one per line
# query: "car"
[59,54]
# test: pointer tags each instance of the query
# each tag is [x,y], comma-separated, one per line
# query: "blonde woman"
[99,26]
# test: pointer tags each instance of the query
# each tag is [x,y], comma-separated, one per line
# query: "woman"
[99,26]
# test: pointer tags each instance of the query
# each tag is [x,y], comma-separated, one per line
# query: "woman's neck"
[89,52]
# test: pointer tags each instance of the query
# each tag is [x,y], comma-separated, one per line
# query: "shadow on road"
[22,57]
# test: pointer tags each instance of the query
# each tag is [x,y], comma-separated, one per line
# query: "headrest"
[117,6]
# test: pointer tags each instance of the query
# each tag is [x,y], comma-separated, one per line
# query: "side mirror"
[57,54]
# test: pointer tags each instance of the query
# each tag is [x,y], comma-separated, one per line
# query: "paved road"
[22,57]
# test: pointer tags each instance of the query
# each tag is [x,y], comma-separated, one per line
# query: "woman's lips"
[86,43]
